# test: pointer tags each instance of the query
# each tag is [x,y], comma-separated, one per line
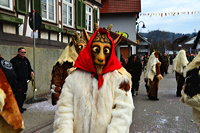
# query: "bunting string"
[164,14]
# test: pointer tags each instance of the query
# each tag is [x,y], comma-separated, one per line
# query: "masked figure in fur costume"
[64,63]
[179,62]
[10,116]
[152,76]
[96,97]
[191,89]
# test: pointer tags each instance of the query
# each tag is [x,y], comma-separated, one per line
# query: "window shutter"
[21,6]
[36,5]
[78,14]
[95,12]
[83,15]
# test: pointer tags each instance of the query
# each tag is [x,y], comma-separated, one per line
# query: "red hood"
[85,62]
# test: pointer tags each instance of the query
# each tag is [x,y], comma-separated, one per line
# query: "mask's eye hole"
[106,51]
[96,49]
[80,47]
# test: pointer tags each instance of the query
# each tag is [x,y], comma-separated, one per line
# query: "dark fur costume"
[59,73]
[192,84]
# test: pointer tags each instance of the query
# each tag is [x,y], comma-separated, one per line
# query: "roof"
[144,39]
[121,6]
[191,41]
[181,39]
[124,40]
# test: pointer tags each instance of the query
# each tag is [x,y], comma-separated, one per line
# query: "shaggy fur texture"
[10,118]
[82,108]
[150,70]
[193,101]
[194,64]
[2,99]
[69,54]
[180,62]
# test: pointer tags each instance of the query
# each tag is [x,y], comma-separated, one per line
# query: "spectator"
[24,72]
[134,67]
[164,59]
[145,60]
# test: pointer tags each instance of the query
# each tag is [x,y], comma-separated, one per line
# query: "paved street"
[168,115]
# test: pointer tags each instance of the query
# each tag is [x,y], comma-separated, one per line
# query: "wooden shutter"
[80,14]
[21,6]
[95,15]
[36,5]
[83,15]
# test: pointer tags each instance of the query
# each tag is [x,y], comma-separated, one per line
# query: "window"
[68,12]
[48,10]
[6,4]
[88,18]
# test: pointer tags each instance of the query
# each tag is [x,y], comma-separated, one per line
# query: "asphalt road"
[168,115]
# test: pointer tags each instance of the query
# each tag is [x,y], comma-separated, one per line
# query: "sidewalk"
[39,117]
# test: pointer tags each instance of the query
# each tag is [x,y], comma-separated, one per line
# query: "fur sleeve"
[193,102]
[122,112]
[63,122]
[2,99]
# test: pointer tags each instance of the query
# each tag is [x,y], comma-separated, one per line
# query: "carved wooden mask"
[101,50]
[80,41]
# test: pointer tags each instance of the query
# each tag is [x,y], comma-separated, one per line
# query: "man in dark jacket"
[24,72]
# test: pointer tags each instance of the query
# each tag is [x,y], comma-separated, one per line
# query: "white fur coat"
[150,70]
[82,108]
[180,61]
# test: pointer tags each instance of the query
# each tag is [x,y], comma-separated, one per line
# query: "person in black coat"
[134,67]
[24,72]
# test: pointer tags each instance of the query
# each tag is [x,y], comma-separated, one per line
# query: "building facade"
[59,20]
[123,15]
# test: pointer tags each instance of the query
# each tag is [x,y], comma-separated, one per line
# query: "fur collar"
[194,64]
[151,66]
[180,62]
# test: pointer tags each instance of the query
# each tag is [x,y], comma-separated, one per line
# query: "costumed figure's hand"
[2,99]
[184,97]
[70,70]
[55,92]
[160,77]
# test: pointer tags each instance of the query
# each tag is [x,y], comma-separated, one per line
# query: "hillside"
[160,36]
[161,40]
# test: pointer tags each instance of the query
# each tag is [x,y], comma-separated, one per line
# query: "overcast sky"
[182,23]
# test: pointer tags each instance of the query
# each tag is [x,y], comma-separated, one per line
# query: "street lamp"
[143,26]
[137,39]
